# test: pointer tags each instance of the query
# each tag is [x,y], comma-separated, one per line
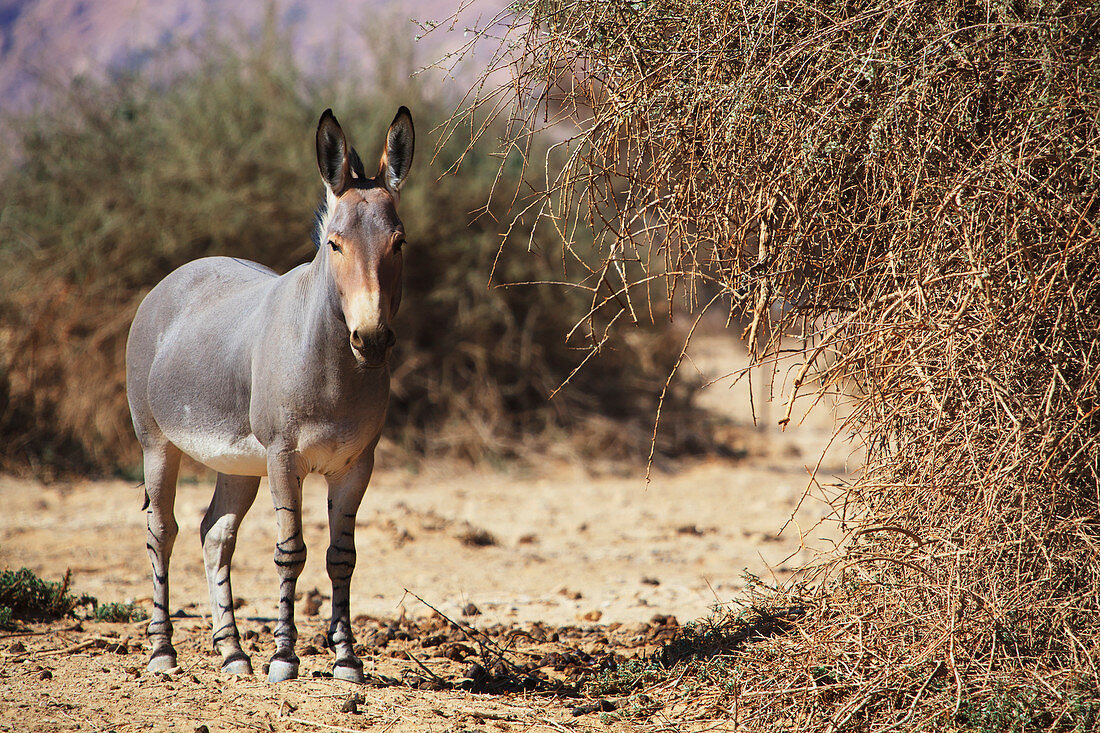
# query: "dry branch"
[912,190]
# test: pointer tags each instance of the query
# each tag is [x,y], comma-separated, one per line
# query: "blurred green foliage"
[124,181]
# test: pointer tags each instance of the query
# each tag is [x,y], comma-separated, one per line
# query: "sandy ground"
[604,555]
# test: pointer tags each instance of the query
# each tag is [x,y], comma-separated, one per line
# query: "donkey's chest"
[331,446]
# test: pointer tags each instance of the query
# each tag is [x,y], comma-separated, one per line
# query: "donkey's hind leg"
[162,462]
[233,496]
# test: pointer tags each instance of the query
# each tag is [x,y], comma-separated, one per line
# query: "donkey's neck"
[323,331]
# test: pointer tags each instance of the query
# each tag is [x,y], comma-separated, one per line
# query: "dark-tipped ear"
[332,153]
[397,158]
[356,164]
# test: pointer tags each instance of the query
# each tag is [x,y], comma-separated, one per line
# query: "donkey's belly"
[241,456]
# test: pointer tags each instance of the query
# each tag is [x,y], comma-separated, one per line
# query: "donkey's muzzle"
[373,346]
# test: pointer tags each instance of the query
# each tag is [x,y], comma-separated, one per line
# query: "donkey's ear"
[397,158]
[332,153]
[356,164]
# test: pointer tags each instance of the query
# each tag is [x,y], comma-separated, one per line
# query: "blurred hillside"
[45,44]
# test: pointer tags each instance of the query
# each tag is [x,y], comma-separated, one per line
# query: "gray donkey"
[255,374]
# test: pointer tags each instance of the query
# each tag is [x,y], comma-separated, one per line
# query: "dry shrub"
[909,194]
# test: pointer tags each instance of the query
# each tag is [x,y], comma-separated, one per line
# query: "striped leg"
[162,464]
[233,496]
[344,496]
[285,476]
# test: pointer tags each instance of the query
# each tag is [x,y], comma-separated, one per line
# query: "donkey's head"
[362,233]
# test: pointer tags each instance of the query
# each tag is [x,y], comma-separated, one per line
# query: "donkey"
[255,374]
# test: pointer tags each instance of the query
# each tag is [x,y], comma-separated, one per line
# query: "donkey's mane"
[322,215]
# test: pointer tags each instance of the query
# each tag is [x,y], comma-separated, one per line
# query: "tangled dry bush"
[907,193]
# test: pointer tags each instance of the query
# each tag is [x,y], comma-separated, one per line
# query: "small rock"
[591,616]
[45,675]
[690,529]
[320,640]
[201,729]
[434,640]
[17,648]
[312,604]
[265,629]
[455,651]
[471,610]
[596,706]
[475,673]
[250,635]
[472,536]
[310,651]
[351,705]
[647,580]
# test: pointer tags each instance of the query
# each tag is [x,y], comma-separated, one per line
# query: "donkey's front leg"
[285,474]
[344,495]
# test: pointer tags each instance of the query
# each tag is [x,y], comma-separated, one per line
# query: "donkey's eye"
[334,245]
[399,244]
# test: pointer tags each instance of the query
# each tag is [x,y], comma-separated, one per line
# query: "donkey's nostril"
[356,340]
[388,337]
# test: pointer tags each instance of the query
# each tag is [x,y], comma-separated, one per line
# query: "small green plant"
[1007,709]
[26,597]
[698,651]
[630,675]
[118,612]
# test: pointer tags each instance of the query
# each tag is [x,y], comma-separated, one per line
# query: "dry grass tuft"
[909,193]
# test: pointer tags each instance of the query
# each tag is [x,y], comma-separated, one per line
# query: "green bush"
[118,612]
[26,597]
[125,181]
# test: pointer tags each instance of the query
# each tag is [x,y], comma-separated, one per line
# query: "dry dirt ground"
[568,572]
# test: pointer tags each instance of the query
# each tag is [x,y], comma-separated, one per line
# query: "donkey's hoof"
[164,660]
[238,664]
[280,670]
[350,670]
